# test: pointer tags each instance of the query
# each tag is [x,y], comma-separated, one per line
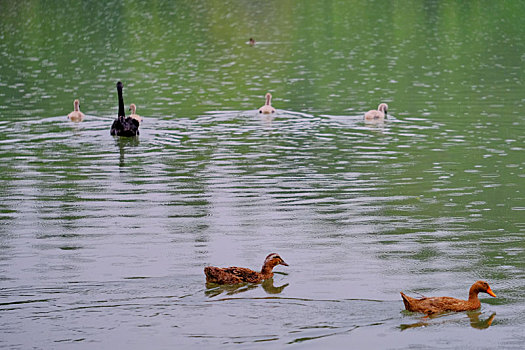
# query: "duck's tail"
[406,301]
[211,273]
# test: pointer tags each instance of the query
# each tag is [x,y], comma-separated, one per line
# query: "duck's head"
[383,107]
[132,108]
[251,41]
[482,286]
[274,259]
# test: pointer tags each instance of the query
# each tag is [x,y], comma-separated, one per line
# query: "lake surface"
[103,240]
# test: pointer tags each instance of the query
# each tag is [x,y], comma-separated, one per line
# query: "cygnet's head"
[383,107]
[267,108]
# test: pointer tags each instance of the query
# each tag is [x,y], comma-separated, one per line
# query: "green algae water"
[103,240]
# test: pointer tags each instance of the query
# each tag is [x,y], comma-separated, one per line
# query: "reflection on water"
[123,143]
[476,322]
[212,289]
[375,122]
[474,317]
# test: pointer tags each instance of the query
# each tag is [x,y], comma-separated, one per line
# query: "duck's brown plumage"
[434,305]
[233,275]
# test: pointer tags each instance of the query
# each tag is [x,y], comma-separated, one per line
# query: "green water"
[103,241]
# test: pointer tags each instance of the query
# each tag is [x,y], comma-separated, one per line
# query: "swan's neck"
[268,99]
[76,107]
[121,112]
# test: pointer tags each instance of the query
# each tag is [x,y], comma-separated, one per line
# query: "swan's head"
[76,105]
[383,107]
[119,85]
[132,108]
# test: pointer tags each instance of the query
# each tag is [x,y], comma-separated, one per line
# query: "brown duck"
[441,304]
[233,275]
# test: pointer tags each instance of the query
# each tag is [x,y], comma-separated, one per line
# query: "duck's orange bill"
[491,293]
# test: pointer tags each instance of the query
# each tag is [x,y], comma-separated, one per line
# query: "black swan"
[123,126]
